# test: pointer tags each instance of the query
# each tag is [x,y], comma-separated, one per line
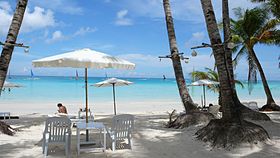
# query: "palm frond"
[238,12]
[239,83]
[253,21]
[199,75]
[242,52]
[271,38]
[265,31]
[252,75]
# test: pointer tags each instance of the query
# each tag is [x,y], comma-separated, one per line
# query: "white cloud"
[122,20]
[181,9]
[199,62]
[145,60]
[5,19]
[5,5]
[64,6]
[59,36]
[198,36]
[56,36]
[84,30]
[157,68]
[37,19]
[196,39]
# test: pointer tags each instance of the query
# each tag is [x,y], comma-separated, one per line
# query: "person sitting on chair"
[61,108]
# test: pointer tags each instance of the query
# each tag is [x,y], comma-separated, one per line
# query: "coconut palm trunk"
[8,48]
[231,130]
[248,113]
[227,37]
[228,53]
[270,103]
[184,94]
[229,111]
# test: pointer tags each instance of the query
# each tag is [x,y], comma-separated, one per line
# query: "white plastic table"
[91,126]
[4,114]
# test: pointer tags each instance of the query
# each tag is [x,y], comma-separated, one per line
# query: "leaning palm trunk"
[7,52]
[184,94]
[270,103]
[247,113]
[8,48]
[231,130]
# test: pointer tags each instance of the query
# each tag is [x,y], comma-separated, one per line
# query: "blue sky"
[131,29]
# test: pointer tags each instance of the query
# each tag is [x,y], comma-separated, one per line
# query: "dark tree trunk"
[184,94]
[7,129]
[220,99]
[270,103]
[7,51]
[230,112]
[247,113]
[222,132]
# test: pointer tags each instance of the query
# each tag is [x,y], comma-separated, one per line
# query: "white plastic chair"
[122,126]
[245,103]
[5,114]
[57,131]
[253,105]
[215,111]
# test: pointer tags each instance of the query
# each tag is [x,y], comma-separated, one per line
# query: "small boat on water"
[77,75]
[9,76]
[32,77]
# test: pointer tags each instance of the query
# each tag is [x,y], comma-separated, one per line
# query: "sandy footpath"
[150,140]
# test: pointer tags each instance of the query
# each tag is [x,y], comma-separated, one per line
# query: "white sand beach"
[150,139]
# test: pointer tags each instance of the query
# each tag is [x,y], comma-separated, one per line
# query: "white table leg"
[104,130]
[78,141]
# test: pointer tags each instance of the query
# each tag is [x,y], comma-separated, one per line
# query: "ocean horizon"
[156,91]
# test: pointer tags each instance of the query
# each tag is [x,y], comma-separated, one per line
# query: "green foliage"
[253,26]
[211,75]
[272,6]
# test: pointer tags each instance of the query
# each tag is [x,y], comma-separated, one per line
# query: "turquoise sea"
[52,89]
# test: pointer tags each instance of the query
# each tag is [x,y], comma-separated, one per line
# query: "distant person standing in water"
[164,77]
[61,108]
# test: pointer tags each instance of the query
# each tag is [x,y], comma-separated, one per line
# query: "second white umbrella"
[113,82]
[203,83]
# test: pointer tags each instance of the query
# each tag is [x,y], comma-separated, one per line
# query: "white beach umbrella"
[204,83]
[113,82]
[84,58]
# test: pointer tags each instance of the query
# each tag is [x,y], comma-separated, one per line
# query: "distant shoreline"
[81,76]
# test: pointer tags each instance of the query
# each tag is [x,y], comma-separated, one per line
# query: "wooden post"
[114,99]
[204,96]
[86,90]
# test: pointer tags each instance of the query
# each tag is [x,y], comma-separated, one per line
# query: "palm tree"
[7,52]
[253,27]
[232,129]
[212,75]
[183,91]
[272,5]
[8,48]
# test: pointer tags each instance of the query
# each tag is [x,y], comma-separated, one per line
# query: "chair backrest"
[122,126]
[253,105]
[214,109]
[57,128]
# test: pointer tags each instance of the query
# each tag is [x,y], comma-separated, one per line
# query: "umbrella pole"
[86,90]
[204,96]
[114,99]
